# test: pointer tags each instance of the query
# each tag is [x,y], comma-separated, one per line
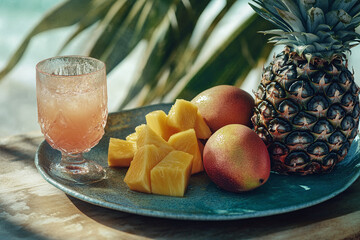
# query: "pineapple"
[307,107]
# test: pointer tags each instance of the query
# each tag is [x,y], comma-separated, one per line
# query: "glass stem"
[72,160]
[74,168]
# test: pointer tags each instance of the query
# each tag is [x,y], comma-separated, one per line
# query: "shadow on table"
[8,228]
[247,228]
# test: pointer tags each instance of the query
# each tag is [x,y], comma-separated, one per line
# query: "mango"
[224,104]
[236,159]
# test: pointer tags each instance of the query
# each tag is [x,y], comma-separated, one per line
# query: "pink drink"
[72,102]
[71,121]
[72,111]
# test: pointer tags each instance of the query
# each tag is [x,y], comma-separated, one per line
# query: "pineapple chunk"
[171,176]
[120,152]
[182,115]
[137,130]
[131,137]
[201,128]
[201,147]
[157,121]
[138,175]
[186,141]
[145,135]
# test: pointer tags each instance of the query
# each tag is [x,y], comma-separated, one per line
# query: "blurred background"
[17,89]
[155,51]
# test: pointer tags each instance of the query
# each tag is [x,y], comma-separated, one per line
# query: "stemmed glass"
[72,111]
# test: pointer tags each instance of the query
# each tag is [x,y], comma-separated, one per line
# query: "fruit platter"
[225,155]
[203,199]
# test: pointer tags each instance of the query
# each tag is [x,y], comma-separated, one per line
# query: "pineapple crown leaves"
[314,28]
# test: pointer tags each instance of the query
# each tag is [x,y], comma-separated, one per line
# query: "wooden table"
[31,208]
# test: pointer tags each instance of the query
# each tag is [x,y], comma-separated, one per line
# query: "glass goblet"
[72,111]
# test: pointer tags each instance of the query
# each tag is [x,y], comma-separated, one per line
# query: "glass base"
[76,169]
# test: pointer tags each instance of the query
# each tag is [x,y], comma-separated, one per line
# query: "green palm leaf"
[232,62]
[96,13]
[166,47]
[134,22]
[118,26]
[74,10]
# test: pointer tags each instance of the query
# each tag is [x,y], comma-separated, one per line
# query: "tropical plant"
[168,62]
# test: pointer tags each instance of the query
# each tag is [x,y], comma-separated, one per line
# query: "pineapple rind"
[307,113]
[307,106]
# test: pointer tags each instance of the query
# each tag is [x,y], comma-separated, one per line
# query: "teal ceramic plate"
[203,200]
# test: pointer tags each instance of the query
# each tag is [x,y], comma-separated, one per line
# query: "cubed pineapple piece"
[138,129]
[201,128]
[186,141]
[201,147]
[157,121]
[120,152]
[131,137]
[182,115]
[171,175]
[145,135]
[138,175]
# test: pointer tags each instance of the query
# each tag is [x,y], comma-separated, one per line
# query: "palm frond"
[74,10]
[232,62]
[165,51]
[167,27]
